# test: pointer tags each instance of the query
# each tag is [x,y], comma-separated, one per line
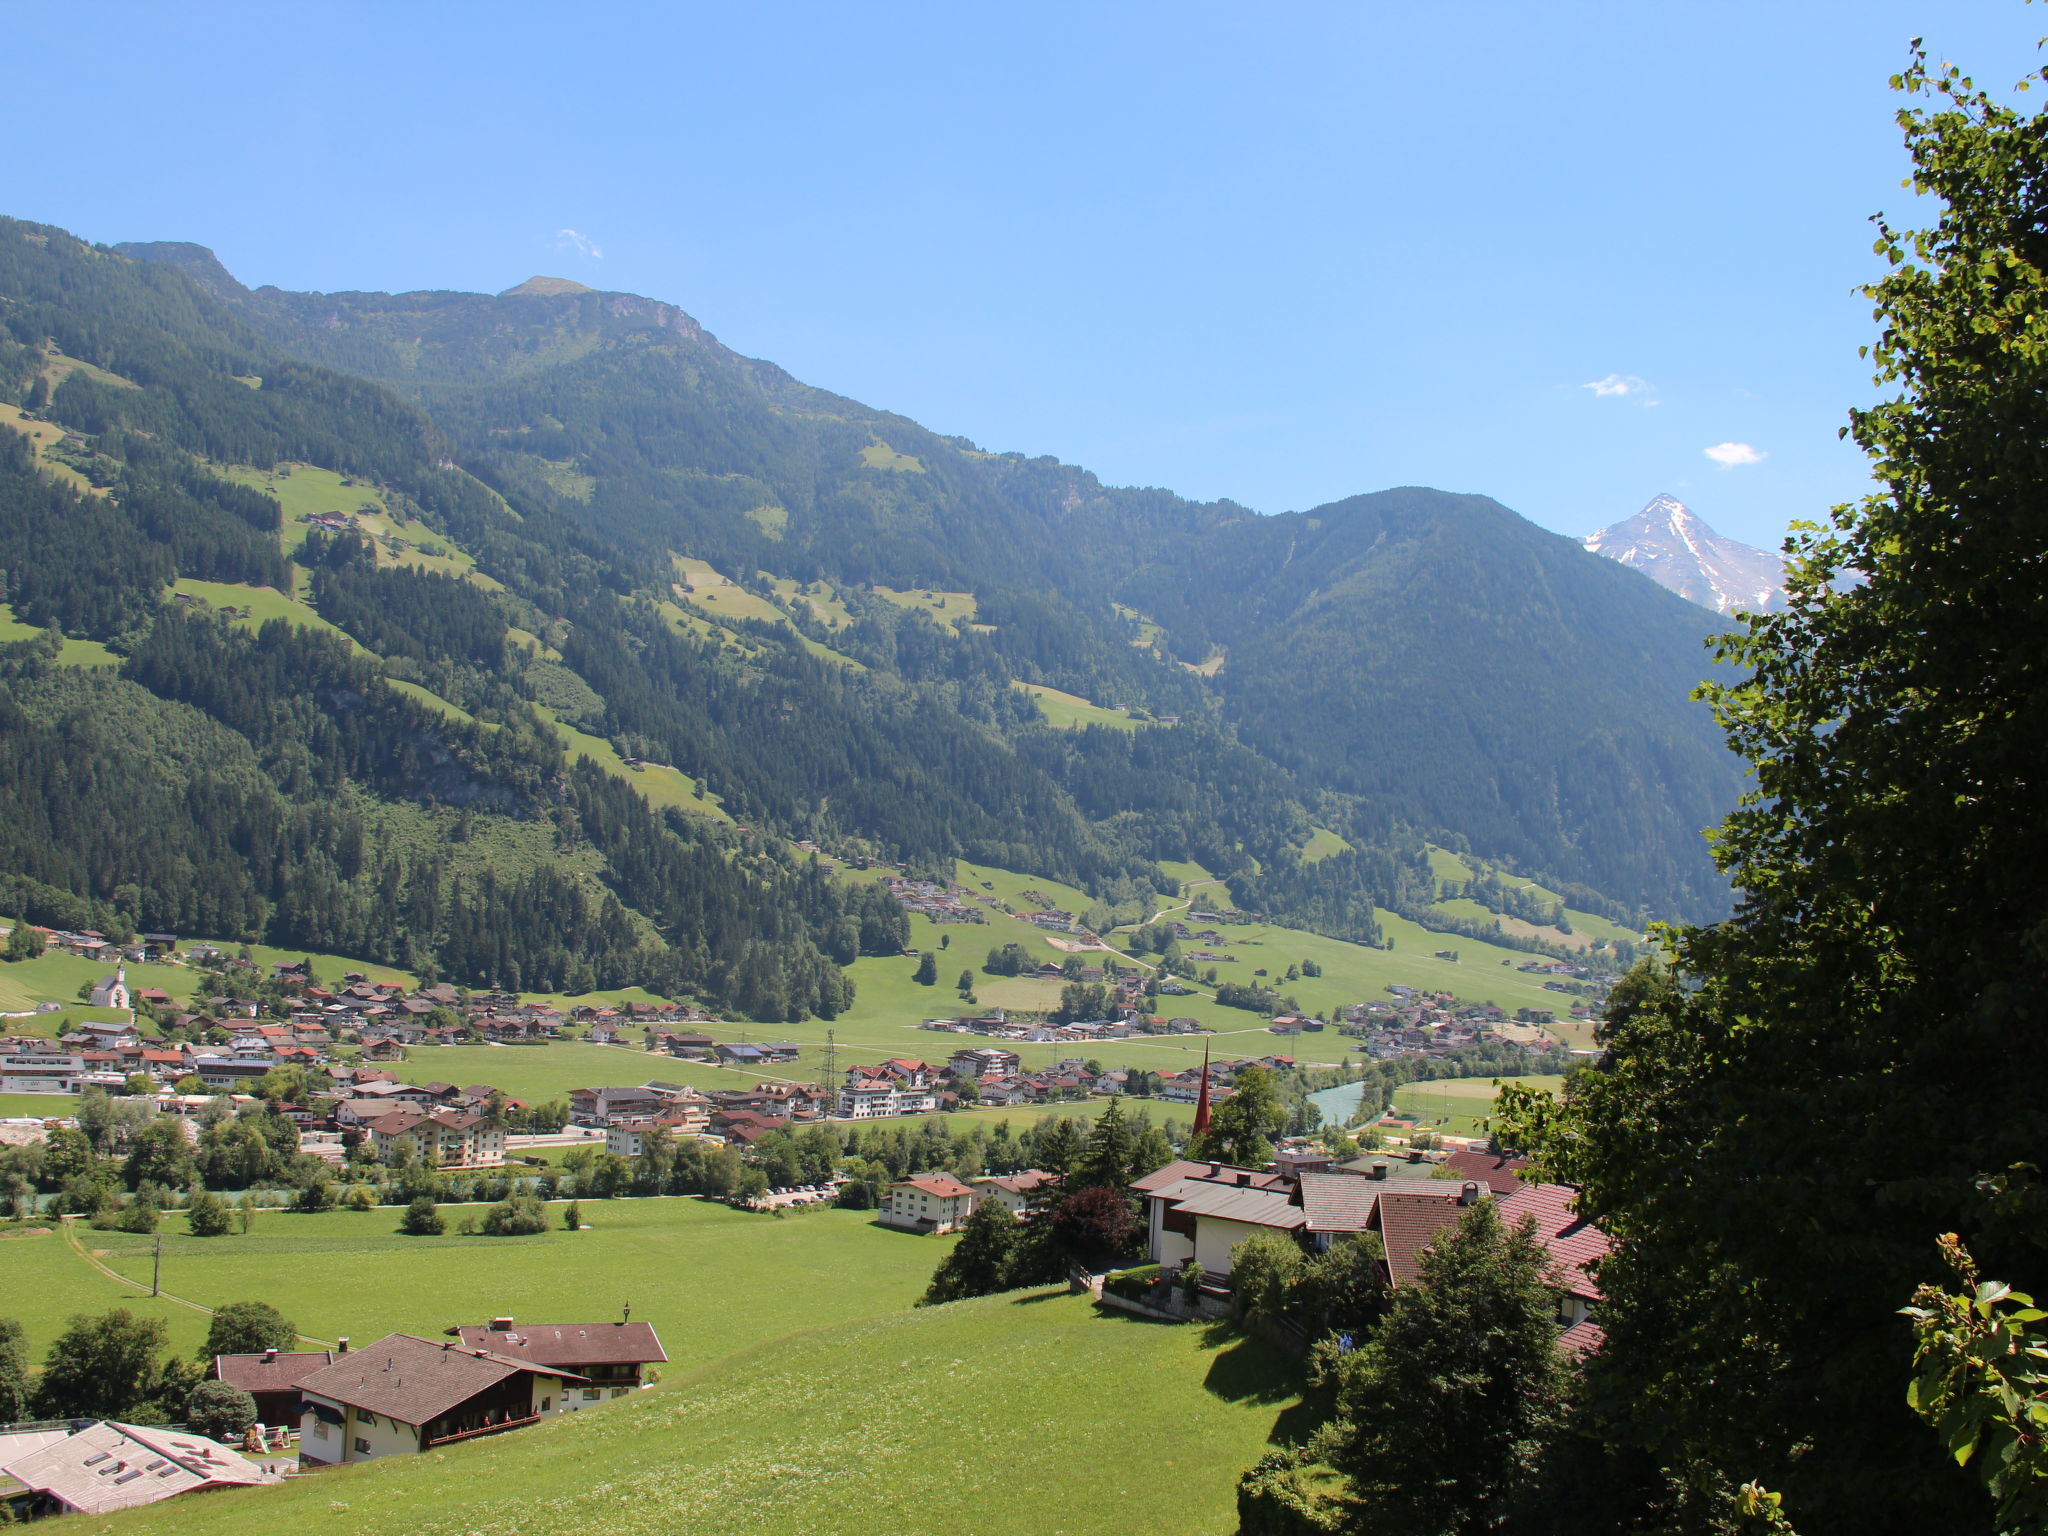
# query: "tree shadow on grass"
[1245,1369]
[1034,1297]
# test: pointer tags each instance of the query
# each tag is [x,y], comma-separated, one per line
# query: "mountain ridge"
[888,587]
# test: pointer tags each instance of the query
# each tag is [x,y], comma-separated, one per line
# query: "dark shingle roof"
[570,1344]
[281,1372]
[414,1380]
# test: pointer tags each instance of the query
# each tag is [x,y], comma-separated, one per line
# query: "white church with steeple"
[112,991]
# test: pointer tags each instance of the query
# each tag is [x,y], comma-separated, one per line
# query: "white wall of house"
[359,1437]
[1214,1240]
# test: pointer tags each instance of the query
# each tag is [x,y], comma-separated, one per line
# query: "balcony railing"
[487,1429]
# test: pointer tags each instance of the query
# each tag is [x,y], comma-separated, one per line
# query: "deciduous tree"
[247,1328]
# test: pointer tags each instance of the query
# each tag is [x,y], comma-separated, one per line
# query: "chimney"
[269,1355]
[1470,1192]
[341,1346]
[1379,1170]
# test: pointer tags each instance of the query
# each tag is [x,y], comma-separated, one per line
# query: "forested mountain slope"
[1451,664]
[610,614]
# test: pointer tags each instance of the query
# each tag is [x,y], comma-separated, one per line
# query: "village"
[280,1412]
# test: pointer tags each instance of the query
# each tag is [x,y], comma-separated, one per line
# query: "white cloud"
[1618,384]
[578,241]
[1728,455]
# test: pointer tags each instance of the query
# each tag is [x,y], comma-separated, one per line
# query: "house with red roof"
[929,1202]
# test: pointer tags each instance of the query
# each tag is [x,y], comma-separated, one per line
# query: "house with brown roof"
[613,1358]
[109,1466]
[1203,1210]
[928,1202]
[272,1378]
[404,1394]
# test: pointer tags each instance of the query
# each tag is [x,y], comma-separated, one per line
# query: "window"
[362,1446]
[367,1417]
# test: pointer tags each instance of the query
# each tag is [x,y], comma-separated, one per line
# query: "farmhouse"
[404,1394]
[612,1358]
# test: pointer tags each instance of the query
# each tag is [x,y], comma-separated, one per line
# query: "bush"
[572,1218]
[520,1216]
[208,1216]
[422,1219]
[219,1411]
[1132,1284]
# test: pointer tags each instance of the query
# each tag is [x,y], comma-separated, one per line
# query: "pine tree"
[1107,1160]
[927,972]
[1059,1145]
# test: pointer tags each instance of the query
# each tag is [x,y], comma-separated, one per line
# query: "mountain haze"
[592,544]
[1671,546]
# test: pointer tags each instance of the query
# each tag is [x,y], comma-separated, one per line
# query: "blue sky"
[1278,253]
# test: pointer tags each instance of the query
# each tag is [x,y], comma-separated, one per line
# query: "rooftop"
[415,1380]
[570,1344]
[111,1466]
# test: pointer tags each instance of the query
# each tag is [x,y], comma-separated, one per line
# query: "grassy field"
[56,977]
[659,785]
[42,436]
[36,1106]
[1070,712]
[259,605]
[1022,1415]
[1459,1106]
[948,609]
[712,1280]
[879,455]
[1321,844]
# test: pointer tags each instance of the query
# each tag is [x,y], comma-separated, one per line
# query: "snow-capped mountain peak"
[1667,543]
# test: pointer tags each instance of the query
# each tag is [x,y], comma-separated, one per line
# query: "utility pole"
[156,1270]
